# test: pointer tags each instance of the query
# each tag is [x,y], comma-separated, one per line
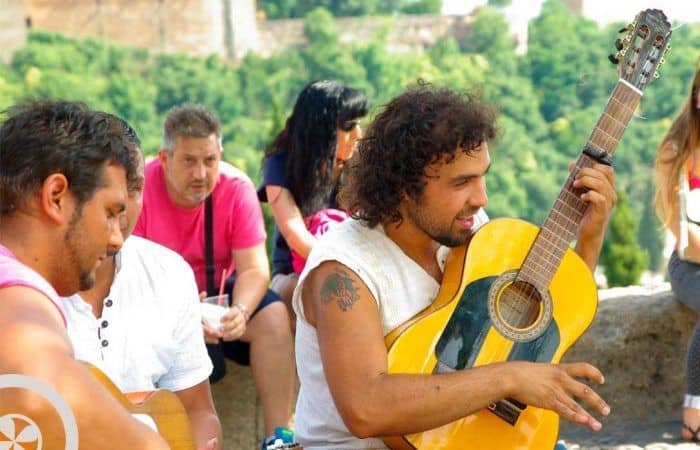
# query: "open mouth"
[465,222]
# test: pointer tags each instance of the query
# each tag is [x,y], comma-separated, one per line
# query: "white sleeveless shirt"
[401,289]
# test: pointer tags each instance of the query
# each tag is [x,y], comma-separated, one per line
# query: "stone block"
[638,340]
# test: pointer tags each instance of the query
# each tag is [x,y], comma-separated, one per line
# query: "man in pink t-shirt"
[63,177]
[187,171]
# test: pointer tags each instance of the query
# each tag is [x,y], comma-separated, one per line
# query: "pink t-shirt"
[14,273]
[238,220]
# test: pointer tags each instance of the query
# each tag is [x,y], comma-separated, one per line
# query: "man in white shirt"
[415,189]
[140,323]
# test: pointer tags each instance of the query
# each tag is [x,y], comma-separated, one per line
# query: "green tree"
[324,57]
[651,232]
[621,256]
[489,35]
[284,9]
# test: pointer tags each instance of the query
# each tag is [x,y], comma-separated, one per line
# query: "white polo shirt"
[150,333]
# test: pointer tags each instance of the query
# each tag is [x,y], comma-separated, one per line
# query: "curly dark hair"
[42,137]
[309,138]
[420,127]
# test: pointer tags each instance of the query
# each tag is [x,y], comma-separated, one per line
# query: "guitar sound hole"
[519,305]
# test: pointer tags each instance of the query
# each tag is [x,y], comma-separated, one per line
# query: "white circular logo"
[18,432]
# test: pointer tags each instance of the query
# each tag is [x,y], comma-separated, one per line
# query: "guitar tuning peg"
[667,49]
[613,59]
[662,61]
[618,44]
[656,75]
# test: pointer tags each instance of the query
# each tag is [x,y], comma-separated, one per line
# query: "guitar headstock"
[640,53]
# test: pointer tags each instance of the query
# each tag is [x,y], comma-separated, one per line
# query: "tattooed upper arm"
[339,287]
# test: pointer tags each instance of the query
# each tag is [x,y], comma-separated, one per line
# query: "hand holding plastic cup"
[213,308]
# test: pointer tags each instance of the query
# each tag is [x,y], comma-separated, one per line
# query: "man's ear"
[56,199]
[163,157]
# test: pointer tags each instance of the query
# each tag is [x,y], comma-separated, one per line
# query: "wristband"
[244,310]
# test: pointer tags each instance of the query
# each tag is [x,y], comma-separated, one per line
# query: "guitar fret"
[569,222]
[610,141]
[551,255]
[601,145]
[556,238]
[611,129]
[617,127]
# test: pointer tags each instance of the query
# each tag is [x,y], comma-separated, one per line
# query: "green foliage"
[651,232]
[622,257]
[284,9]
[489,36]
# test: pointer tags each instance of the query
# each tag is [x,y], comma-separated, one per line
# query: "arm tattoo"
[340,288]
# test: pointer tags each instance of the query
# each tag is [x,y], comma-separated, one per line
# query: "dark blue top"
[273,174]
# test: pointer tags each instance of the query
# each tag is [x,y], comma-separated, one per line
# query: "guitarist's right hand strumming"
[554,386]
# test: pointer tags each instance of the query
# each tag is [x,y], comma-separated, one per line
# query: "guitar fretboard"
[561,225]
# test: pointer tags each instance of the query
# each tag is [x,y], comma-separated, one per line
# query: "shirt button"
[104,324]
[105,343]
[108,303]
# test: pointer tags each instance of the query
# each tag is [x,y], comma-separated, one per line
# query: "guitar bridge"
[508,410]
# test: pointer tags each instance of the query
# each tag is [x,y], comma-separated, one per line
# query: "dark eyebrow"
[463,178]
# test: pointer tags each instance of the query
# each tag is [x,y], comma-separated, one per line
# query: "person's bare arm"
[37,345]
[252,278]
[289,220]
[200,410]
[599,181]
[354,358]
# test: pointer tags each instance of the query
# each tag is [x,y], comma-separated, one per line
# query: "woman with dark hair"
[302,168]
[678,175]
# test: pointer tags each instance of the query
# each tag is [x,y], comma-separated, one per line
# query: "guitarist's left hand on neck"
[599,183]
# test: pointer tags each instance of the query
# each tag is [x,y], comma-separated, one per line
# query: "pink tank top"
[15,273]
[693,181]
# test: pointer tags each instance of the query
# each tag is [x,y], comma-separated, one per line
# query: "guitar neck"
[560,226]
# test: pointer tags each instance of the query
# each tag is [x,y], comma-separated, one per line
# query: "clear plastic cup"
[213,308]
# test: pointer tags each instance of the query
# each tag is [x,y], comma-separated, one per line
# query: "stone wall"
[12,27]
[196,27]
[638,341]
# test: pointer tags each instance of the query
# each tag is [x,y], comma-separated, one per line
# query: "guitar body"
[162,406]
[466,326]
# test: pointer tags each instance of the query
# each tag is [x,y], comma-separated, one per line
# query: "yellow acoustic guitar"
[519,292]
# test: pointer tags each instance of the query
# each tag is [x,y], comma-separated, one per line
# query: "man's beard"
[75,240]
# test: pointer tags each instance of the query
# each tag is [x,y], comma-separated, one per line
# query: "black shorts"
[237,351]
